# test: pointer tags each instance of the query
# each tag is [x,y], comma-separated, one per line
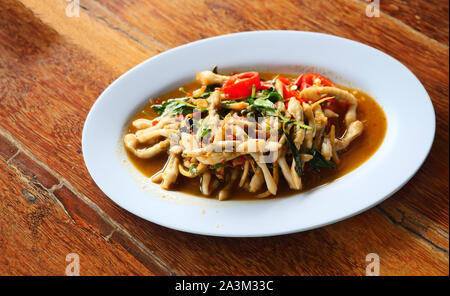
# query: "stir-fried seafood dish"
[254,134]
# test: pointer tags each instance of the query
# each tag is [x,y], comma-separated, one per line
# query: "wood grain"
[53,67]
[36,234]
[428,17]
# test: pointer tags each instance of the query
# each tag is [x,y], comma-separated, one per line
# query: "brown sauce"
[360,150]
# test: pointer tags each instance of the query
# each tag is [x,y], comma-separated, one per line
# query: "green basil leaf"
[319,161]
[205,130]
[217,165]
[176,107]
[295,154]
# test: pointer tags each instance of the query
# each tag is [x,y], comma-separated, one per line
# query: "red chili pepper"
[284,80]
[158,101]
[299,80]
[288,93]
[265,85]
[154,122]
[240,85]
[307,80]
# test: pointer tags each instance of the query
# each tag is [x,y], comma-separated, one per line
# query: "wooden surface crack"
[116,28]
[94,8]
[53,191]
[413,230]
[412,29]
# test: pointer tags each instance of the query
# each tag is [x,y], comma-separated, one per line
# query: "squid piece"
[209,78]
[188,142]
[257,181]
[148,135]
[327,149]
[170,173]
[201,103]
[188,172]
[315,93]
[205,183]
[279,86]
[258,145]
[156,178]
[275,179]
[320,121]
[142,123]
[330,114]
[214,101]
[131,142]
[239,133]
[225,192]
[244,173]
[296,179]
[199,92]
[213,158]
[285,170]
[280,106]
[271,185]
[176,149]
[332,136]
[296,110]
[242,122]
[276,174]
[147,125]
[264,194]
[354,130]
[219,146]
[305,158]
[309,134]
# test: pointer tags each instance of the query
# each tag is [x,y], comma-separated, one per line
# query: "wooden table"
[53,67]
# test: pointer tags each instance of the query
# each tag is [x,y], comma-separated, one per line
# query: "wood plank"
[428,17]
[339,249]
[69,215]
[71,75]
[36,234]
[101,38]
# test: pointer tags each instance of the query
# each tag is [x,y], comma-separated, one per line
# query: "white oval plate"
[410,133]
